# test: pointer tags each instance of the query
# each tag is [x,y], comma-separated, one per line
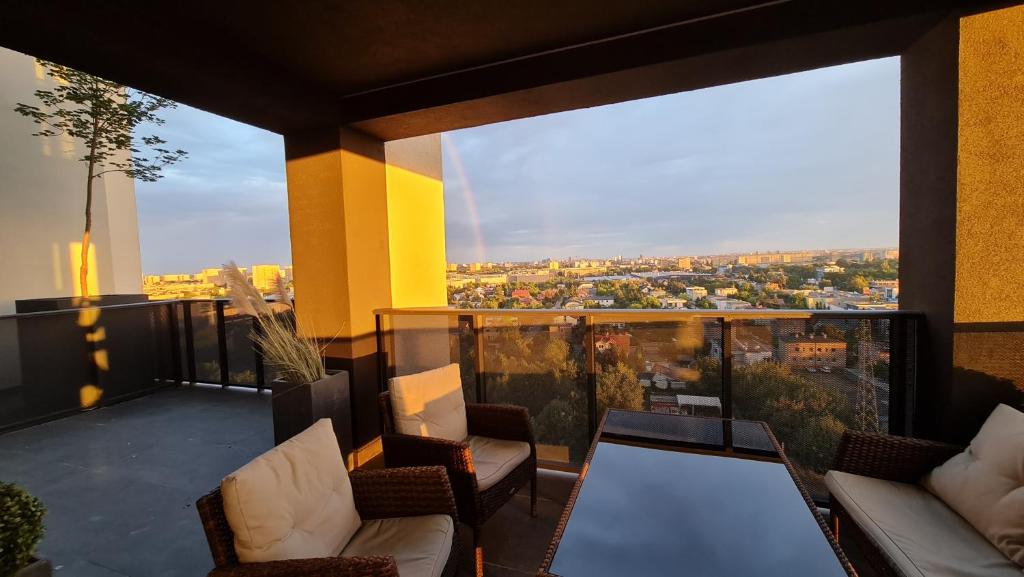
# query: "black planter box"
[297,407]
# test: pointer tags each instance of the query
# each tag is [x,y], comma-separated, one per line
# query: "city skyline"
[674,175]
[537,261]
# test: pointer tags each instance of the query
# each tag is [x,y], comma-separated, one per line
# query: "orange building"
[810,351]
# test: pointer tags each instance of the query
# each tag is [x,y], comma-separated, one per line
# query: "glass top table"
[678,495]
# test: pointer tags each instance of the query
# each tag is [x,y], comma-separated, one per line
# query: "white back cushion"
[430,404]
[984,483]
[292,502]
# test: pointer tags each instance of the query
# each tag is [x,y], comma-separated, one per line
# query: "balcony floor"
[120,485]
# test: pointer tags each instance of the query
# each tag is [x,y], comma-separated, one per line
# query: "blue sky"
[808,160]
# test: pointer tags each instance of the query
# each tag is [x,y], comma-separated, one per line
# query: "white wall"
[42,204]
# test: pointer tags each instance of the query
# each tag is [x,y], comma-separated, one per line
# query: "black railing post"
[591,376]
[190,340]
[478,337]
[382,355]
[726,364]
[172,320]
[898,385]
[222,344]
[257,350]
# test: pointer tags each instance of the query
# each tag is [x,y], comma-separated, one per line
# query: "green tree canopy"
[619,388]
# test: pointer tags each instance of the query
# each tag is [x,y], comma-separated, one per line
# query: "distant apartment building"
[684,263]
[820,272]
[213,276]
[580,271]
[888,290]
[463,280]
[726,291]
[728,304]
[820,300]
[749,349]
[476,267]
[811,351]
[177,278]
[759,259]
[696,292]
[673,303]
[529,276]
[265,276]
[601,301]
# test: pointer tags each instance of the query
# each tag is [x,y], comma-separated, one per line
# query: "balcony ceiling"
[400,68]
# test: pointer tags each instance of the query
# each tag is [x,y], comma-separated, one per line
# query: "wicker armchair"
[475,506]
[887,457]
[382,494]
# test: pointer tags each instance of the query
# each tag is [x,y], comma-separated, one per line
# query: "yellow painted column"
[416,222]
[367,232]
[988,311]
[990,168]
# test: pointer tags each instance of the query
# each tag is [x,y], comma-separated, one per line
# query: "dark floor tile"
[83,568]
[120,482]
[512,539]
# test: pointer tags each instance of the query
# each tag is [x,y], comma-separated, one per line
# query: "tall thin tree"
[104,116]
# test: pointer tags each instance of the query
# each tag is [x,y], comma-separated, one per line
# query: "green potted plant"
[304,391]
[21,528]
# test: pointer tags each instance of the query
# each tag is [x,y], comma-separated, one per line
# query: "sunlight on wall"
[75,260]
[88,317]
[416,235]
[89,395]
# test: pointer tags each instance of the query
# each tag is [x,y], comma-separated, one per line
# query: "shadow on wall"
[988,369]
[980,393]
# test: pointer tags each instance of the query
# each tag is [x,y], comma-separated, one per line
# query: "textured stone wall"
[990,169]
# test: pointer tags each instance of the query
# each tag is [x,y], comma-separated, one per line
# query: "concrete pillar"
[367,232]
[962,216]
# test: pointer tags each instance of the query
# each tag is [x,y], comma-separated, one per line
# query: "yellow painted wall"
[416,222]
[990,171]
[366,207]
[316,215]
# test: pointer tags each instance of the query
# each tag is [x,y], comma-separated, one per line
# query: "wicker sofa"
[406,524]
[901,529]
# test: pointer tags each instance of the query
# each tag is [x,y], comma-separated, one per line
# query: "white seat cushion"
[292,502]
[920,534]
[420,545]
[430,404]
[493,459]
[985,483]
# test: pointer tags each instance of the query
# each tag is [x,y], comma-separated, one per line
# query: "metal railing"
[56,363]
[808,373]
[219,348]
